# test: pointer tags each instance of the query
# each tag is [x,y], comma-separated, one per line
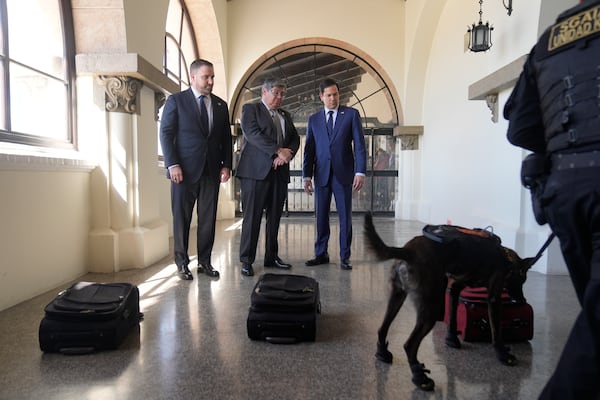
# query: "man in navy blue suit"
[270,143]
[335,155]
[195,136]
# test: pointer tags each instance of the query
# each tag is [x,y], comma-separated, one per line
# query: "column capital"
[120,93]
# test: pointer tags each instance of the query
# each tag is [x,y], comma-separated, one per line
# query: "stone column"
[409,172]
[126,229]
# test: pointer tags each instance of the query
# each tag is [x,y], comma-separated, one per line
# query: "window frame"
[7,134]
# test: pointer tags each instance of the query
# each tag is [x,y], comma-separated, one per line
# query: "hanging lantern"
[480,38]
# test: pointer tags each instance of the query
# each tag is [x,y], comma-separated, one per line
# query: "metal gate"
[377,195]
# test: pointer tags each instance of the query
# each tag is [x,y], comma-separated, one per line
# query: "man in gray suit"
[270,143]
[195,136]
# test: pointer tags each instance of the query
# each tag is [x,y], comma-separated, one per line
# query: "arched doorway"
[362,86]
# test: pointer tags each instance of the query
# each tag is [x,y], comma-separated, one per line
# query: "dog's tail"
[381,250]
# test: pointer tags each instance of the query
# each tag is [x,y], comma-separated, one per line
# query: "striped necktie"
[277,123]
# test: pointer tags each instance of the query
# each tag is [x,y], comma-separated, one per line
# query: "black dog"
[422,270]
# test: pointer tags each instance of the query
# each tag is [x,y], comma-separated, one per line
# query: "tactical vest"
[566,61]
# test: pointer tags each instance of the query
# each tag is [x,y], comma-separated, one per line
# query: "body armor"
[566,66]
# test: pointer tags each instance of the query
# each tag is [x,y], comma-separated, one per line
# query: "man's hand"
[225,175]
[308,187]
[285,154]
[278,162]
[176,174]
[358,183]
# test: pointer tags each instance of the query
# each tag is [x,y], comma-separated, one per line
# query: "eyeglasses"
[277,93]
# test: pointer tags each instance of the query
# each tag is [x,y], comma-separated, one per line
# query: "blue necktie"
[203,115]
[329,123]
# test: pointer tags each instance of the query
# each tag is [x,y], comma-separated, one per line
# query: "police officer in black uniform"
[554,111]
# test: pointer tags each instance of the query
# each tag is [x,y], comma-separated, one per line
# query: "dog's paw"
[503,354]
[383,354]
[420,379]
[452,341]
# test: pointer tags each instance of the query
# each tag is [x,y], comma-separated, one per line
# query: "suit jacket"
[184,142]
[260,142]
[322,154]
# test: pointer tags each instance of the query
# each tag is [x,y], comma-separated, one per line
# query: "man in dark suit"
[196,140]
[335,155]
[270,143]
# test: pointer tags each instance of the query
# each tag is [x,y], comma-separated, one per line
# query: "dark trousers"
[204,194]
[257,195]
[573,212]
[343,203]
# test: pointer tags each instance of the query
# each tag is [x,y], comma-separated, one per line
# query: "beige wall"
[466,159]
[45,218]
[258,26]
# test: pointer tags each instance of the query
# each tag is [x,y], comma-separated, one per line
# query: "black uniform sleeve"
[522,110]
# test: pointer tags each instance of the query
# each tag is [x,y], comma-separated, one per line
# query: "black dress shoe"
[318,260]
[184,273]
[208,270]
[247,270]
[278,263]
[346,265]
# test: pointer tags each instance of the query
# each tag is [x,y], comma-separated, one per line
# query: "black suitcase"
[284,308]
[89,317]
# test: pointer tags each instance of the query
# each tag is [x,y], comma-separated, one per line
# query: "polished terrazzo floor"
[193,344]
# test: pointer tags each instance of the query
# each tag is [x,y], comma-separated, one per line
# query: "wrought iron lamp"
[480,38]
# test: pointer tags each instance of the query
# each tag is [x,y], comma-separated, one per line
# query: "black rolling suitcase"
[284,308]
[89,317]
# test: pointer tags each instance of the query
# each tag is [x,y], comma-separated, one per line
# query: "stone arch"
[208,37]
[320,45]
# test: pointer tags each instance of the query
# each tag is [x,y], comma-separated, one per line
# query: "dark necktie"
[203,115]
[277,123]
[329,123]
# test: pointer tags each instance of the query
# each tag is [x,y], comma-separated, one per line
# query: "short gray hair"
[270,83]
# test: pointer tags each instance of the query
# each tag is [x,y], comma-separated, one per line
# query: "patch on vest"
[579,26]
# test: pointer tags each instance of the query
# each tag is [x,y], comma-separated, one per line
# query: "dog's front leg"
[452,334]
[495,313]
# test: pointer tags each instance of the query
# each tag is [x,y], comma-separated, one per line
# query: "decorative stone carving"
[159,100]
[121,93]
[409,136]
[409,142]
[492,103]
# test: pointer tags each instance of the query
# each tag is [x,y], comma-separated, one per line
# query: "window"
[37,72]
[180,49]
[180,44]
